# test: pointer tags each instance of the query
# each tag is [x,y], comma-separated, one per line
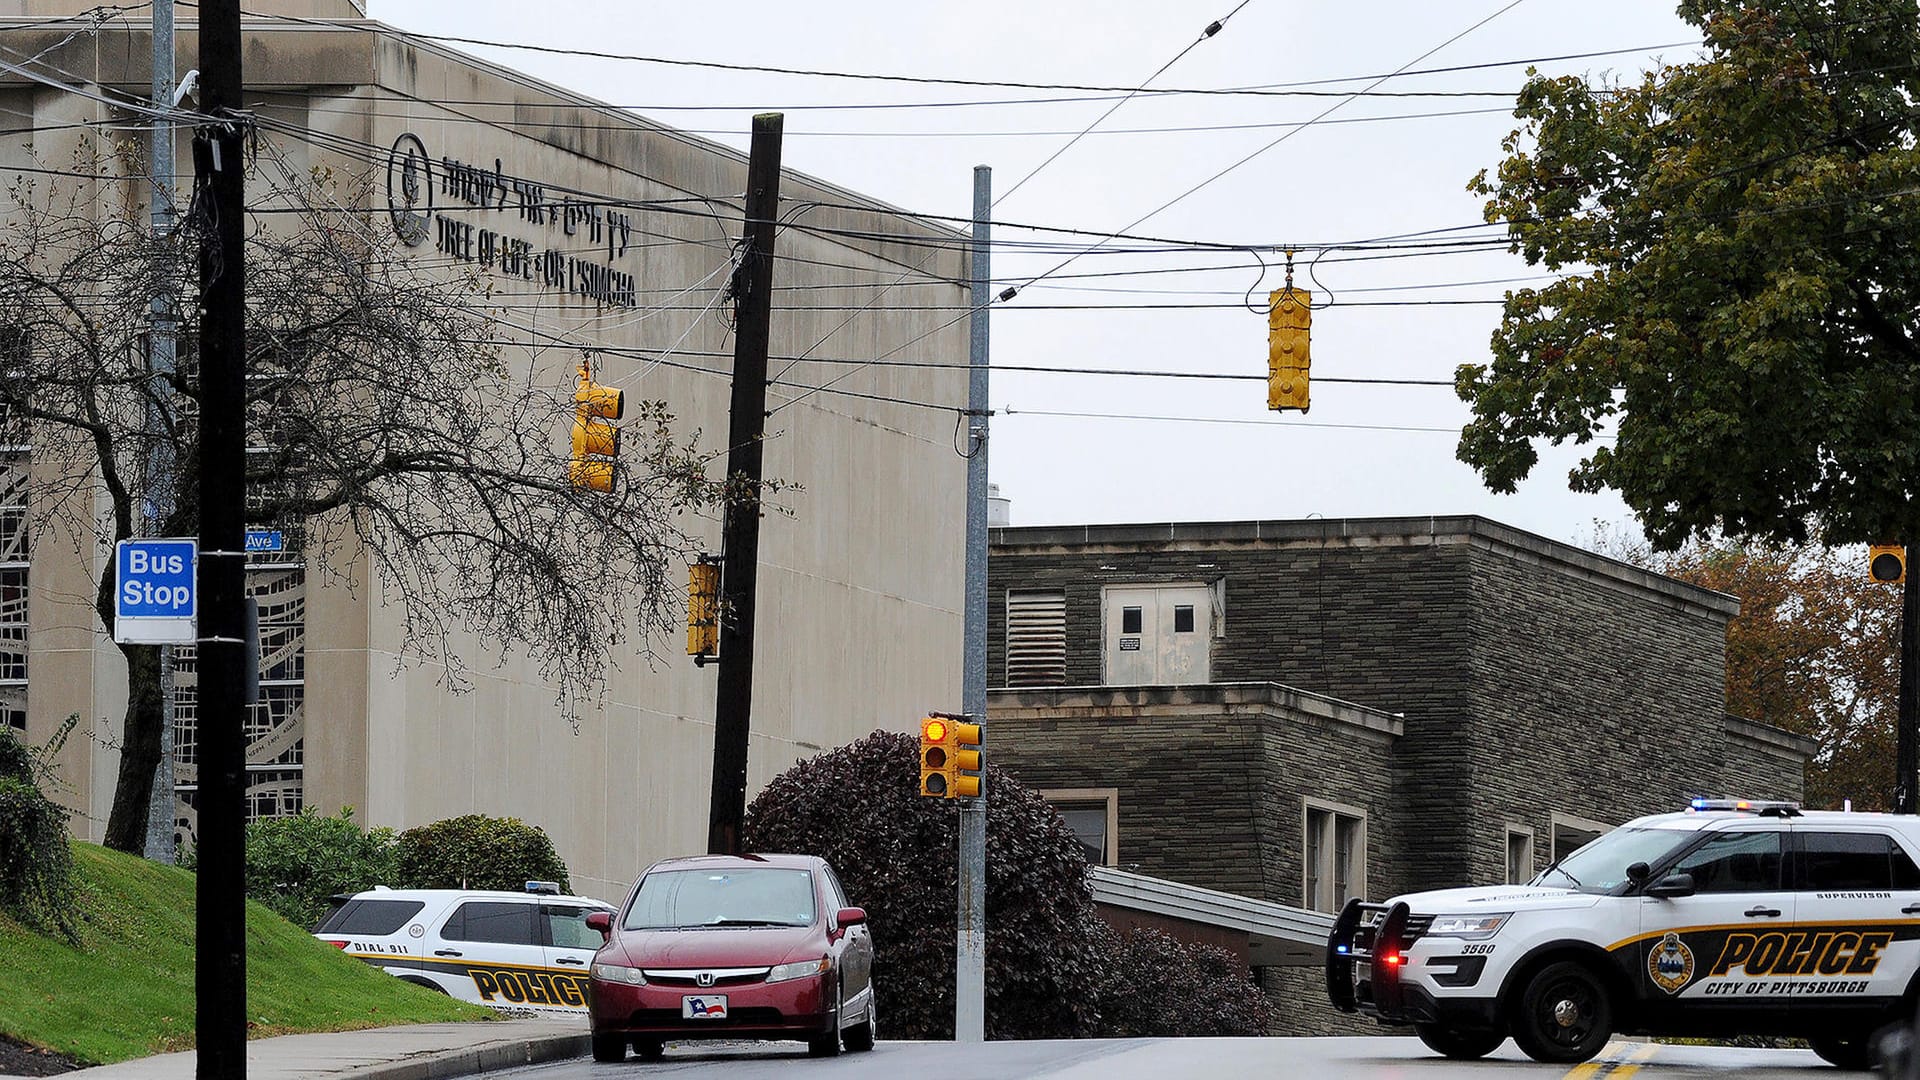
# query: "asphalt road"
[1374,1058]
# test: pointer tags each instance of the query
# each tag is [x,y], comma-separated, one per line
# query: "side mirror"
[1670,886]
[850,916]
[1637,873]
[603,922]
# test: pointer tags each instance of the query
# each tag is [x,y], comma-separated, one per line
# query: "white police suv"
[524,950]
[1731,918]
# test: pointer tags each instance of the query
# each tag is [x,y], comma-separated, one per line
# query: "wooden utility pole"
[746,429]
[220,963]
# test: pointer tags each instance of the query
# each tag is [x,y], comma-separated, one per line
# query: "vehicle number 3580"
[1476,950]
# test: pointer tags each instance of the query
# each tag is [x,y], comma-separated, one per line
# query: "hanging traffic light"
[595,441]
[969,766]
[703,608]
[1887,564]
[1289,326]
[936,757]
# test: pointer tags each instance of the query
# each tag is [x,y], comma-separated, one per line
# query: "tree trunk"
[139,751]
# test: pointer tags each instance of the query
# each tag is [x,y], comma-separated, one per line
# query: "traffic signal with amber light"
[1289,325]
[936,758]
[595,441]
[703,609]
[1887,563]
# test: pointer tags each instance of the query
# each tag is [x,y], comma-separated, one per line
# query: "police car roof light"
[550,888]
[1761,807]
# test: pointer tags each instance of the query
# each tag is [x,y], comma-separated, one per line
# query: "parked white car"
[525,950]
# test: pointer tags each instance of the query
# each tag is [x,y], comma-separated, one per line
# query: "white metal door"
[1158,635]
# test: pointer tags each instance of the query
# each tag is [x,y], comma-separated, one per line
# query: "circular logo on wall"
[409,188]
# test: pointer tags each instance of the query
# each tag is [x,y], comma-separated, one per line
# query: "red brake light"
[335,944]
[1392,958]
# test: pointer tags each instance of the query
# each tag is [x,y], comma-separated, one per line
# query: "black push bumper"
[1366,970]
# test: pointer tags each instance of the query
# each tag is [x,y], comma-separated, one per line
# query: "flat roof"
[1379,532]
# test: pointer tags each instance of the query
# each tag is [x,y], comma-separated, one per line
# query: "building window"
[1335,855]
[1094,816]
[1036,638]
[1519,854]
[1130,620]
[1183,618]
[1570,834]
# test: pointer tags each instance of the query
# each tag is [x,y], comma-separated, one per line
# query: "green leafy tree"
[1739,283]
[478,852]
[295,863]
[1052,963]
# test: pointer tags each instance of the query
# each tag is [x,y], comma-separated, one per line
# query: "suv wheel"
[649,1049]
[1851,1050]
[1563,1014]
[1460,1044]
[609,1047]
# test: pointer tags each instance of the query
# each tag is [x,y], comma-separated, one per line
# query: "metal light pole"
[970,956]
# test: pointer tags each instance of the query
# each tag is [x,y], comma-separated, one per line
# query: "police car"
[511,950]
[1734,917]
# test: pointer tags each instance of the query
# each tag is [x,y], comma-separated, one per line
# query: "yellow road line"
[1611,1065]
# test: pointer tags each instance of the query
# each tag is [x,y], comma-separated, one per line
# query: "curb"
[495,1057]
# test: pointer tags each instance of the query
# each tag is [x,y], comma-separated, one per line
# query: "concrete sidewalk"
[411,1052]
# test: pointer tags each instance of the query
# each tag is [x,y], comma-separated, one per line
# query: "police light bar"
[549,888]
[1761,807]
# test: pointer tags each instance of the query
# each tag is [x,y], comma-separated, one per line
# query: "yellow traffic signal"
[703,609]
[1887,563]
[936,757]
[1289,326]
[595,441]
[968,763]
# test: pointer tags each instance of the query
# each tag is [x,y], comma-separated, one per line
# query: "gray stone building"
[1299,711]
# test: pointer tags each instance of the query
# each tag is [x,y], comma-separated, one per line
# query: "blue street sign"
[155,601]
[259,540]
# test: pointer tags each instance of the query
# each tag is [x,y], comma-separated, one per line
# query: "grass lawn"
[127,990]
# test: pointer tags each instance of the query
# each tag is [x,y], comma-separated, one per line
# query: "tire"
[1563,1015]
[1852,1050]
[609,1048]
[859,1038]
[427,984]
[649,1049]
[828,1045]
[1460,1044]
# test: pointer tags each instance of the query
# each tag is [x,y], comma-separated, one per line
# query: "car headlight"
[1468,926]
[797,970]
[617,973]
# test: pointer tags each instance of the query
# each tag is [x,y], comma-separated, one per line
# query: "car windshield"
[1601,866]
[681,899]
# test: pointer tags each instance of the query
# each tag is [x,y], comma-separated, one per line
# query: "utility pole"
[220,966]
[740,532]
[1906,800]
[970,956]
[160,363]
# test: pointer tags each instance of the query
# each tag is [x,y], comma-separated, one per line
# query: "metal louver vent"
[1036,638]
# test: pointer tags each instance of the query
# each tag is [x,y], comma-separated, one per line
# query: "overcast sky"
[1373,167]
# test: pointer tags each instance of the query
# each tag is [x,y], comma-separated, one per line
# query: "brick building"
[1299,711]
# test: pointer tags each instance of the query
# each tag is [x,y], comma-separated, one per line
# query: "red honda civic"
[733,947]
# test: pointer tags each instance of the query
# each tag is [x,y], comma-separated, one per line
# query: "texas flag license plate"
[703,1007]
